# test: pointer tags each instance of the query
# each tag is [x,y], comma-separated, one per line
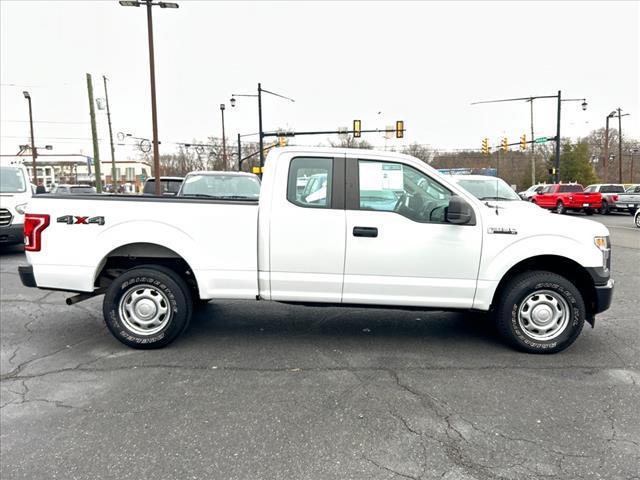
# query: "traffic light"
[523,142]
[282,141]
[485,146]
[505,144]
[552,171]
[400,129]
[357,128]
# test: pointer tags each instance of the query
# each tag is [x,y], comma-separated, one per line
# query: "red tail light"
[34,225]
[614,198]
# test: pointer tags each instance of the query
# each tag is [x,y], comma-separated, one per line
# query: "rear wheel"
[540,312]
[147,307]
[560,208]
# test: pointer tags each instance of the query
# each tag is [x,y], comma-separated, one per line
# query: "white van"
[15,193]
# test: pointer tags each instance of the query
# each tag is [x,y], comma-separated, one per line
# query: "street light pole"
[606,147]
[152,76]
[224,141]
[533,149]
[34,153]
[154,112]
[619,145]
[239,152]
[261,133]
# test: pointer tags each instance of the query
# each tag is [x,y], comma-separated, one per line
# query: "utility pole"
[557,159]
[114,180]
[606,148]
[94,134]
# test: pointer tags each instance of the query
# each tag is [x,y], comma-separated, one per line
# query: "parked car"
[15,193]
[609,192]
[168,185]
[223,185]
[73,190]
[531,191]
[629,200]
[541,275]
[568,196]
[492,190]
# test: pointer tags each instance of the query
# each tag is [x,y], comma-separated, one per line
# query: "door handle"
[365,232]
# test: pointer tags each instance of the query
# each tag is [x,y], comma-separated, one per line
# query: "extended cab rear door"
[306,222]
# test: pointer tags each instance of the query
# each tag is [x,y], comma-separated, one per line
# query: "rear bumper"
[604,295]
[12,234]
[26,276]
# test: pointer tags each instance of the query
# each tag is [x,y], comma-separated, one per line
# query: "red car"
[568,196]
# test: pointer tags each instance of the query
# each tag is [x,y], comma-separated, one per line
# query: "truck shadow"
[271,321]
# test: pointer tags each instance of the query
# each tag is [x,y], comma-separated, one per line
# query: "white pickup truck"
[379,229]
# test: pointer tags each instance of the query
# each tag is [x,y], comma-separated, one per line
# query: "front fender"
[497,260]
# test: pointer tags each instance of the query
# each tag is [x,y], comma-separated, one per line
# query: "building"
[54,169]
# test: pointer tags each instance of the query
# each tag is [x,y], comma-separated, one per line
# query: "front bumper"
[604,295]
[12,234]
[26,276]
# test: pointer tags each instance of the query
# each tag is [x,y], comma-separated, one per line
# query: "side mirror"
[40,190]
[459,212]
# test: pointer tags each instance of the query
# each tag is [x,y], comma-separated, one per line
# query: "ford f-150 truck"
[568,196]
[437,247]
[610,193]
[629,200]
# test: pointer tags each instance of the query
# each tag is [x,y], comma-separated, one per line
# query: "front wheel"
[147,307]
[604,210]
[540,312]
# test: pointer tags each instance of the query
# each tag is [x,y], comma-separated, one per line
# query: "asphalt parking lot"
[265,391]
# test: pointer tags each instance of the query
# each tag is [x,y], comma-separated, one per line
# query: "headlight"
[21,208]
[602,242]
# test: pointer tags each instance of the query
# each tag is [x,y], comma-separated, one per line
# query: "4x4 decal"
[78,220]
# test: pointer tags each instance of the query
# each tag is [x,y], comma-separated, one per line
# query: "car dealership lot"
[258,390]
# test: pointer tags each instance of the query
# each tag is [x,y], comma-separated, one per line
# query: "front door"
[400,249]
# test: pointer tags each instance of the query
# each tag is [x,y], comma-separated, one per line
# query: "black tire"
[163,290]
[560,208]
[636,220]
[588,211]
[604,209]
[632,211]
[525,288]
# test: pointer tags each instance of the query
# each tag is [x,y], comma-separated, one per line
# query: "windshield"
[221,186]
[12,180]
[489,189]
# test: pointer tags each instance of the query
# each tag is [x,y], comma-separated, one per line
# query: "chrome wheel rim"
[144,310]
[544,315]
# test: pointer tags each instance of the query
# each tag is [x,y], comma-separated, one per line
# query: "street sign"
[541,140]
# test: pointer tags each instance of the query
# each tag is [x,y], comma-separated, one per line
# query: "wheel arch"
[563,266]
[136,254]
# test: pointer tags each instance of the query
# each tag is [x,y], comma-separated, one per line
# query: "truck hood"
[527,218]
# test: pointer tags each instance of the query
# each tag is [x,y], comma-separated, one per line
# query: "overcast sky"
[423,63]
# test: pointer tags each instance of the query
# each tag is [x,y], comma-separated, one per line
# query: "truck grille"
[5,217]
